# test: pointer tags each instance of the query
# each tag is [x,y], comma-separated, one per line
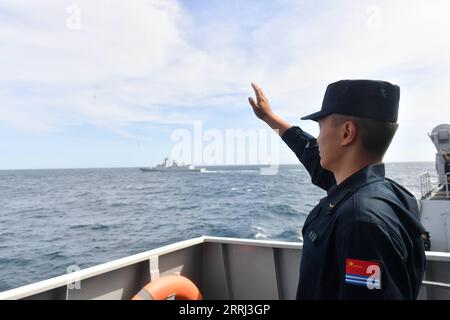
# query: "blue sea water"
[52,219]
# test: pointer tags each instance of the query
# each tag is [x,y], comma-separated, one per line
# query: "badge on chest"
[313,236]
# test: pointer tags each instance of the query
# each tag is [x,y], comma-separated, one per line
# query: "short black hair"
[376,136]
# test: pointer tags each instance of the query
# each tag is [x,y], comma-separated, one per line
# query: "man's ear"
[348,133]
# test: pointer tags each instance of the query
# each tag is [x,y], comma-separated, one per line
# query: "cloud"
[84,67]
[101,63]
[23,120]
[393,39]
[125,62]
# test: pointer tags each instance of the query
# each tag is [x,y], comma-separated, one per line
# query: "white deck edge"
[66,279]
[261,243]
[437,256]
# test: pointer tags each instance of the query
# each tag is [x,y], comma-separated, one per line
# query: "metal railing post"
[447,175]
[425,184]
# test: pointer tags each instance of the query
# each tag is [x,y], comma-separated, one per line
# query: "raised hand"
[261,107]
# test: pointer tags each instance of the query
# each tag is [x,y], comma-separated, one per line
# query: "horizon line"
[199,166]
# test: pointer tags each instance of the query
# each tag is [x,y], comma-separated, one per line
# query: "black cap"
[372,99]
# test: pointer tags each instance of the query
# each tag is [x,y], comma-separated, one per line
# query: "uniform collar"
[360,177]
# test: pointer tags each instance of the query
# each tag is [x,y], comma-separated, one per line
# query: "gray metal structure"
[440,136]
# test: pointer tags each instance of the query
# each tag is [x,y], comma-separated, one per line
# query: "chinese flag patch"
[363,273]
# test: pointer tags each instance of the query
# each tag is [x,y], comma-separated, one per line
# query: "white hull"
[178,169]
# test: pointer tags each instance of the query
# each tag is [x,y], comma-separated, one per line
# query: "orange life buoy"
[167,286]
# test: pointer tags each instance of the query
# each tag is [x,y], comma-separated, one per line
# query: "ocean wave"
[233,171]
[195,206]
[94,226]
[260,236]
[283,209]
[17,261]
[145,188]
[119,204]
[79,226]
[99,226]
[82,194]
[55,255]
[290,235]
[261,233]
[7,234]
[245,171]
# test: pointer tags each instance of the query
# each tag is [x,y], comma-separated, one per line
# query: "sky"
[107,83]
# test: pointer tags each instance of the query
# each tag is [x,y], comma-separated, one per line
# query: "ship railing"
[425,185]
[435,284]
[447,175]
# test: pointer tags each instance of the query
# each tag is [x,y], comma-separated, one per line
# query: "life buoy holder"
[169,286]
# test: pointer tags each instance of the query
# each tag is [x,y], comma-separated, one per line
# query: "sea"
[53,220]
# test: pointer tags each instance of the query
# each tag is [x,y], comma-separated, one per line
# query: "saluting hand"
[261,107]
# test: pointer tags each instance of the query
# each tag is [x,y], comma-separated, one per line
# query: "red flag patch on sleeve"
[363,273]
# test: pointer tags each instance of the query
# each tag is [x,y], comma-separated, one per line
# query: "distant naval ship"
[173,166]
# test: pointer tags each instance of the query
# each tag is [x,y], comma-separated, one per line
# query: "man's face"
[328,141]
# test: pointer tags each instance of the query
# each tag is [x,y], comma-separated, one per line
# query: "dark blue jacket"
[363,240]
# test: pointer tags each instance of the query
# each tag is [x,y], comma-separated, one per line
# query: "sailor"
[364,239]
[445,155]
[446,167]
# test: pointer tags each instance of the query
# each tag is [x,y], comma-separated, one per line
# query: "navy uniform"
[364,239]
